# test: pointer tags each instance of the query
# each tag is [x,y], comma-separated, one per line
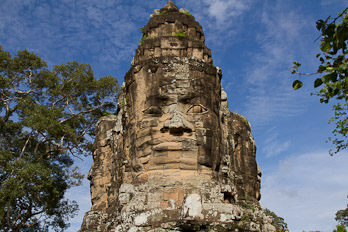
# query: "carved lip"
[168,146]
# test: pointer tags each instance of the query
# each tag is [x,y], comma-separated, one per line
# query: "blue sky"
[254,42]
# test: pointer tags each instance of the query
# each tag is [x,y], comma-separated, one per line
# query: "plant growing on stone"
[127,101]
[180,34]
[46,117]
[185,11]
[245,218]
[278,222]
[143,39]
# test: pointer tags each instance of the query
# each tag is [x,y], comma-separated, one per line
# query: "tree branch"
[67,105]
[54,103]
[333,21]
[303,74]
[23,149]
[82,112]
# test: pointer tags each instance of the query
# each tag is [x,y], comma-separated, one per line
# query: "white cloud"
[220,19]
[223,11]
[272,145]
[307,190]
[267,75]
[87,31]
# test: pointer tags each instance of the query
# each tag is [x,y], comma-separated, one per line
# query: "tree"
[333,69]
[278,222]
[46,117]
[340,228]
[342,217]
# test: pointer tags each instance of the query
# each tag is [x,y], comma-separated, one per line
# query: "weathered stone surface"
[174,158]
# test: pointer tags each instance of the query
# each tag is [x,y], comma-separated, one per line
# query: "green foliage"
[186,12]
[245,217]
[340,132]
[333,69]
[243,119]
[249,205]
[342,216]
[127,101]
[142,29]
[143,39]
[46,117]
[278,222]
[340,228]
[297,84]
[180,34]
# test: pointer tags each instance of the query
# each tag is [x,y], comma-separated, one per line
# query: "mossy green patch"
[180,34]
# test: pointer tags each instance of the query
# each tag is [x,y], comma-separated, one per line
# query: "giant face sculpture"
[174,152]
[175,123]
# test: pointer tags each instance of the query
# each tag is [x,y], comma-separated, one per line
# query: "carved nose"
[177,125]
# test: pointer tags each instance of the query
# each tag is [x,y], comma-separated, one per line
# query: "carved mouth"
[168,146]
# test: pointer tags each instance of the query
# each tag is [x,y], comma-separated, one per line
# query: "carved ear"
[197,109]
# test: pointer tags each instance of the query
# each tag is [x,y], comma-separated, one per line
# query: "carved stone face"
[176,123]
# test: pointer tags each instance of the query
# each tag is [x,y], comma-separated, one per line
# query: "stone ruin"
[174,158]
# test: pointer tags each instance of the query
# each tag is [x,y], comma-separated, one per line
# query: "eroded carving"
[174,157]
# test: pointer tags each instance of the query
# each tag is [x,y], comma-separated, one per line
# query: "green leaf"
[326,78]
[321,68]
[297,84]
[297,64]
[333,76]
[318,82]
[325,45]
[320,24]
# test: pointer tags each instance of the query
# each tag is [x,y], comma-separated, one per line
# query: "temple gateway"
[174,158]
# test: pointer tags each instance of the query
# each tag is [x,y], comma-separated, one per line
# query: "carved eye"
[185,100]
[197,109]
[154,110]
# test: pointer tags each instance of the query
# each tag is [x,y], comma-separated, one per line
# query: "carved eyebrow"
[158,100]
[158,97]
[154,110]
[186,98]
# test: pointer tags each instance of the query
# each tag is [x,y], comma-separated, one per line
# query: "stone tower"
[174,158]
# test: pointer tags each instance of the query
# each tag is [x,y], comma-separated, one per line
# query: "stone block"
[169,166]
[124,198]
[172,172]
[155,173]
[197,52]
[158,52]
[170,193]
[142,140]
[144,160]
[143,133]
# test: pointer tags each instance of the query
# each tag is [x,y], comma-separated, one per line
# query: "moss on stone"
[243,119]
